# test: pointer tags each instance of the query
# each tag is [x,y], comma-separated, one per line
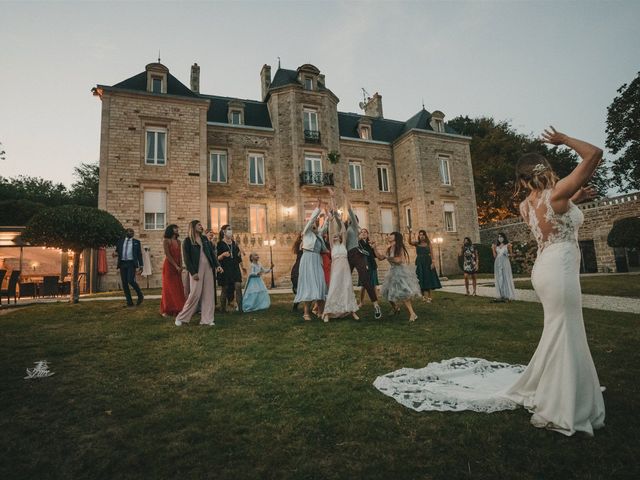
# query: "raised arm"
[314,217]
[591,156]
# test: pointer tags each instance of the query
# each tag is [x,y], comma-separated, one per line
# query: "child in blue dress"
[256,295]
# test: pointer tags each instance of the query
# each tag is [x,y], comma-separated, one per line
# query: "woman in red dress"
[172,289]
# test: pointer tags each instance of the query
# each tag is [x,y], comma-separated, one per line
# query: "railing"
[316,178]
[312,136]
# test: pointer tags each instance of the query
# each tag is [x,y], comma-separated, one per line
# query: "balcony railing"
[316,178]
[312,136]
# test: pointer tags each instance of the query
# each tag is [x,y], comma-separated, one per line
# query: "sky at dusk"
[533,63]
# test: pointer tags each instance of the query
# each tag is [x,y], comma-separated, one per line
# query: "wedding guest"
[211,236]
[368,248]
[230,280]
[400,283]
[172,288]
[502,251]
[256,295]
[201,262]
[470,264]
[425,268]
[358,260]
[311,284]
[129,253]
[341,300]
[326,255]
[295,269]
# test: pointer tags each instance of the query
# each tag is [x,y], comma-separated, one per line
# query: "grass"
[265,395]
[614,285]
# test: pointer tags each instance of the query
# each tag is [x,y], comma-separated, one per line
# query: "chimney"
[195,78]
[373,107]
[265,80]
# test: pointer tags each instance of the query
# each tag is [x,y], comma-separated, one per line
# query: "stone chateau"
[169,154]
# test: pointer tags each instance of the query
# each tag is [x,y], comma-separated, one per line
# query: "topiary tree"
[18,212]
[75,228]
[625,233]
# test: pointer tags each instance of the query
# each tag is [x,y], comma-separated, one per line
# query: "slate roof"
[174,86]
[256,114]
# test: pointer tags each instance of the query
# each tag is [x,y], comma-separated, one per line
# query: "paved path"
[485,289]
[596,302]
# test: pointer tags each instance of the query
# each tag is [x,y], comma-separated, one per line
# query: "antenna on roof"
[423,103]
[278,63]
[159,56]
[365,99]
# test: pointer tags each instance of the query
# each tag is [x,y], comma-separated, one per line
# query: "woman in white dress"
[502,273]
[560,385]
[341,301]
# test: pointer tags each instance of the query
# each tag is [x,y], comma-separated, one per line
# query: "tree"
[34,189]
[495,150]
[84,190]
[623,135]
[75,228]
[2,152]
[18,212]
[625,233]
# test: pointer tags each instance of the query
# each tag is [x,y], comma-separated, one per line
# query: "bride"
[560,385]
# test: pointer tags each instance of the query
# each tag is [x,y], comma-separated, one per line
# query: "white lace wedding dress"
[560,385]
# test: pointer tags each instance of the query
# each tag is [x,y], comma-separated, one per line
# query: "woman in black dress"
[230,279]
[425,267]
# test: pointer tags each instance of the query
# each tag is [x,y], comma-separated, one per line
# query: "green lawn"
[264,396]
[615,285]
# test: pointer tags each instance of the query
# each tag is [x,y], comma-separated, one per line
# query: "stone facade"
[277,130]
[599,217]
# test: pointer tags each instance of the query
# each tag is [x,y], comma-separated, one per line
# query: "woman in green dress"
[425,268]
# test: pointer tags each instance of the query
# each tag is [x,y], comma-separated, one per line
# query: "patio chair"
[28,289]
[50,286]
[11,288]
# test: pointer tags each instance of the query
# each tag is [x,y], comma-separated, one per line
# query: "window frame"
[155,78]
[382,226]
[381,180]
[367,129]
[452,211]
[356,166]
[256,155]
[309,112]
[442,159]
[155,225]
[232,115]
[308,87]
[220,206]
[314,156]
[255,207]
[219,153]
[155,131]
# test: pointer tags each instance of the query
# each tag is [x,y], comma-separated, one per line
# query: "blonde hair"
[534,172]
[191,232]
[252,256]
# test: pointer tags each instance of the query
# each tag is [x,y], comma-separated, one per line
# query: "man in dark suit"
[129,253]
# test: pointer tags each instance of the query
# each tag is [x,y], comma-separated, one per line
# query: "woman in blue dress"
[256,295]
[311,284]
[502,269]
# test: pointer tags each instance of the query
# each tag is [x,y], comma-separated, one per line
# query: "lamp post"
[438,241]
[271,243]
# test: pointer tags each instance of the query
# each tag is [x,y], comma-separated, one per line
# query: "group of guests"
[210,262]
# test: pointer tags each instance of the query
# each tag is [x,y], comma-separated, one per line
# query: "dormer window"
[308,83]
[156,85]
[365,133]
[438,125]
[236,117]
[437,121]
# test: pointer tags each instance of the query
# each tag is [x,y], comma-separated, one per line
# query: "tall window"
[218,167]
[408,217]
[258,218]
[256,169]
[449,217]
[363,216]
[365,133]
[219,216]
[313,162]
[156,148]
[310,120]
[383,178]
[156,84]
[236,117]
[355,176]
[155,207]
[308,83]
[445,173]
[386,217]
